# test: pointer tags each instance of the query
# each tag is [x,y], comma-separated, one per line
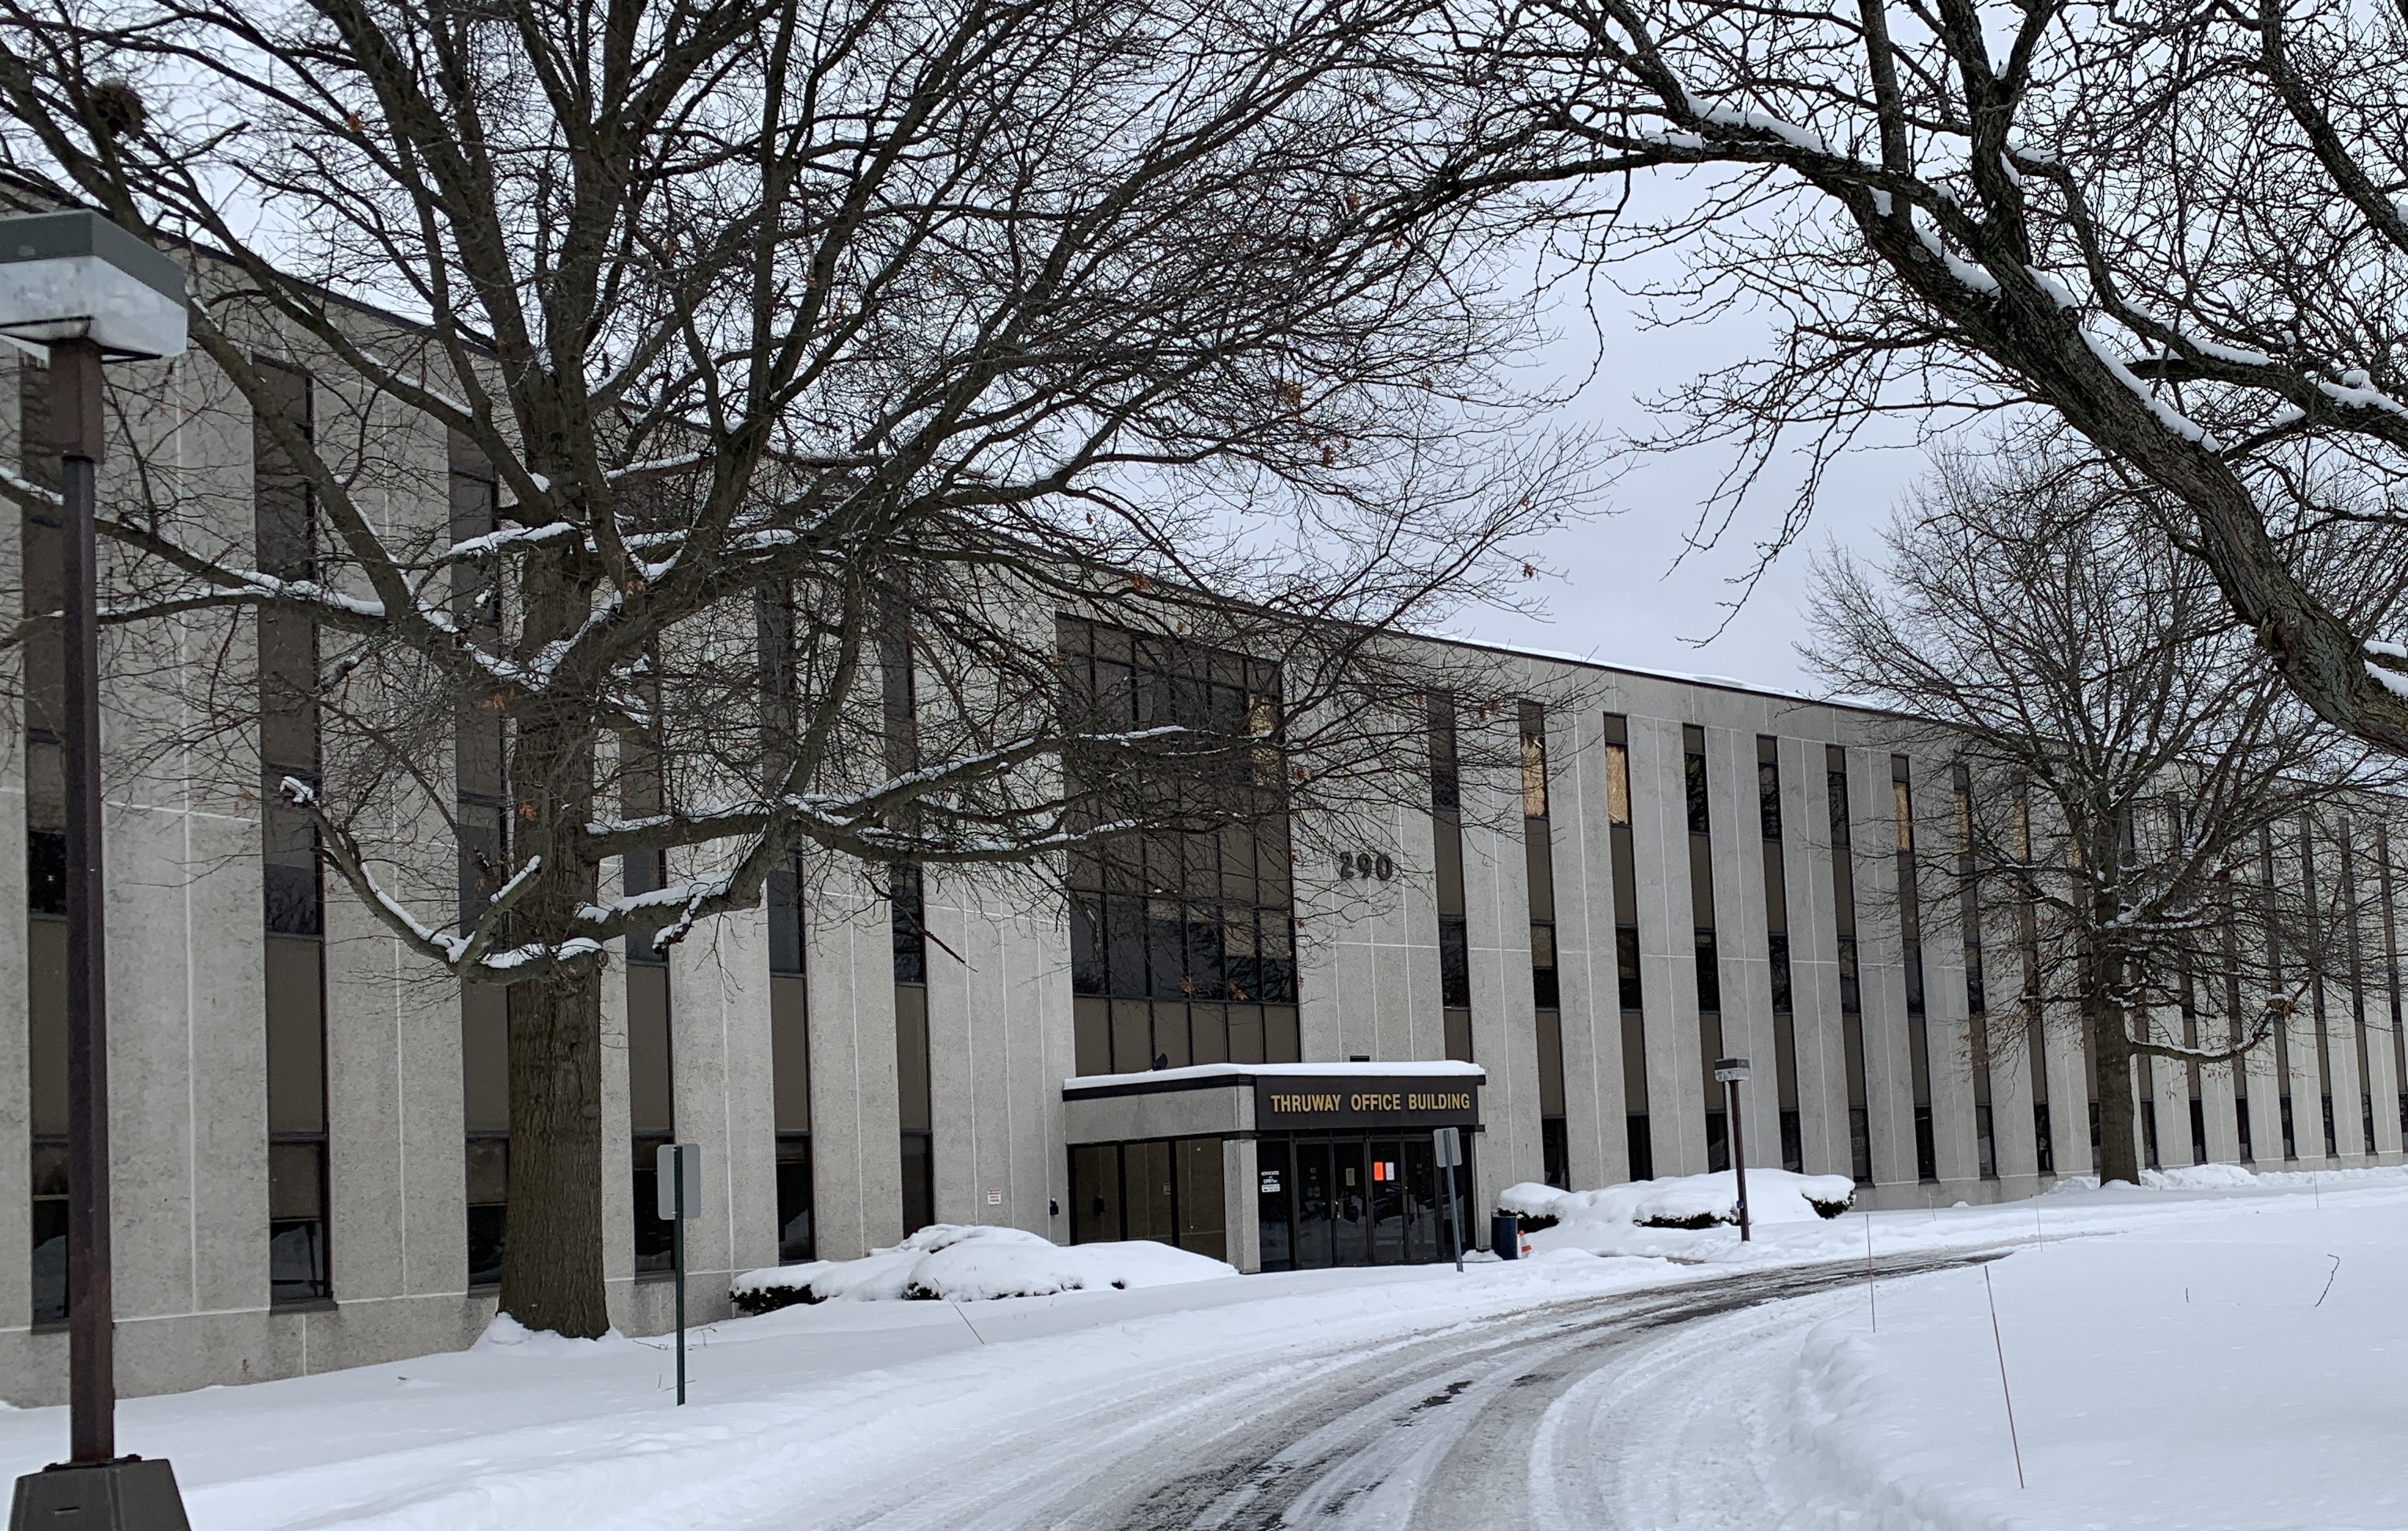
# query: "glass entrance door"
[1389,1243]
[1424,1202]
[1274,1192]
[1350,1222]
[1352,1201]
[1316,1246]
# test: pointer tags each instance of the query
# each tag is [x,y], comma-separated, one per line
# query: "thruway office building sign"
[1356,1100]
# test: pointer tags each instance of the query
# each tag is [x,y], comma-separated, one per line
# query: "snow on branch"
[1966,273]
[27,491]
[2357,390]
[308,591]
[2279,1009]
[692,899]
[2149,396]
[343,849]
[2390,680]
[657,465]
[858,817]
[673,896]
[2390,665]
[1722,115]
[505,539]
[469,956]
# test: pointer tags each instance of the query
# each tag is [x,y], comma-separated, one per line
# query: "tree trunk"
[552,1255]
[2119,1139]
[552,1259]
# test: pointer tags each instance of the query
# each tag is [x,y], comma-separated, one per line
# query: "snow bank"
[950,1263]
[2186,1178]
[2230,1369]
[1684,1201]
[508,1335]
[2198,1178]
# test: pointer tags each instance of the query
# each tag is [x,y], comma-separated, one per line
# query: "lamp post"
[1732,1071]
[91,293]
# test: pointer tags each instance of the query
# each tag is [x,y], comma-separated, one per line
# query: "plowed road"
[1589,1413]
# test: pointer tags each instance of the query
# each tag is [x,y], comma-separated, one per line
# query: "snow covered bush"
[1690,1222]
[1692,1202]
[950,1262]
[779,1286]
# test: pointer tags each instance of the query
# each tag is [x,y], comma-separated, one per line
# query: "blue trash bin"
[1505,1236]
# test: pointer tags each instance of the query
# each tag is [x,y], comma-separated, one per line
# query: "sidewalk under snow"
[2207,1356]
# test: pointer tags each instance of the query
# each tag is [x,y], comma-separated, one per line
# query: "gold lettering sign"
[1304,1103]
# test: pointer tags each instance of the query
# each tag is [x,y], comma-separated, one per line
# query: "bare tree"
[2173,226]
[2130,773]
[819,356]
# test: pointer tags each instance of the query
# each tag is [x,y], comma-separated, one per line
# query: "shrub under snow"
[945,1261]
[1684,1201]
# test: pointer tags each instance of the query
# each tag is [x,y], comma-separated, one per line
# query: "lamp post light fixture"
[1733,1072]
[90,293]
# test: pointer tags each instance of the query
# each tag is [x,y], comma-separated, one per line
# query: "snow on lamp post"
[90,293]
[1732,1071]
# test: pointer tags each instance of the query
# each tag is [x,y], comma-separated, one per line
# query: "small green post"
[677,1178]
[677,1253]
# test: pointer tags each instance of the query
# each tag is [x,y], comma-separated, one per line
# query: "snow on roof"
[1205,1075]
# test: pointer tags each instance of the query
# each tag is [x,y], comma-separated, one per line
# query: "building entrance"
[1343,1160]
[1342,1199]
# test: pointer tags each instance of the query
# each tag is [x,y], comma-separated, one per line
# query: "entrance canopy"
[1243,1100]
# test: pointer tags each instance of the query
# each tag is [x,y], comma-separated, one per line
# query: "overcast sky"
[1619,599]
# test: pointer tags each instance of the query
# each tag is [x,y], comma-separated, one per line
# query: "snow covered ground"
[2225,1358]
[2235,1370]
[2209,1357]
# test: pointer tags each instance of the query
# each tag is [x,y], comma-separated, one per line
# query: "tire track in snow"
[1574,1416]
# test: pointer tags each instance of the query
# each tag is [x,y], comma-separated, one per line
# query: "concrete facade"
[186,968]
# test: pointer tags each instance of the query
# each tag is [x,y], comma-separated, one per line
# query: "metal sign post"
[92,291]
[1731,1071]
[677,1178]
[1450,1156]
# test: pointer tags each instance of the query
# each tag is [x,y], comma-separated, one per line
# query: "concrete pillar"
[1889,1078]
[856,1141]
[1668,968]
[719,1018]
[1239,1162]
[1504,1037]
[1595,1113]
[1739,933]
[2007,1049]
[1948,1022]
[999,1041]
